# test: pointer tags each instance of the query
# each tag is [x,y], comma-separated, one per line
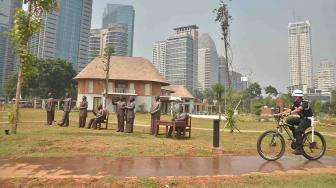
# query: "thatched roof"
[123,68]
[179,91]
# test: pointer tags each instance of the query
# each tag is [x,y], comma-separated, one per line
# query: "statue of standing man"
[155,114]
[83,105]
[130,115]
[50,107]
[66,110]
[121,104]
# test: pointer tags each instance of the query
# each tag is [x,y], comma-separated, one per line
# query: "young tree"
[223,18]
[25,25]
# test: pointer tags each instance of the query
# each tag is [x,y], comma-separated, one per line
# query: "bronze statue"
[155,114]
[180,116]
[121,104]
[66,110]
[100,116]
[50,107]
[83,112]
[130,115]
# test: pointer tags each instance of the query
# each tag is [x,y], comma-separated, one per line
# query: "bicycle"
[271,143]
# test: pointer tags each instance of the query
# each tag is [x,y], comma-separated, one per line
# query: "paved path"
[152,167]
[195,128]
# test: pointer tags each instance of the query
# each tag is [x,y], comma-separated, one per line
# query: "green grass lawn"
[35,139]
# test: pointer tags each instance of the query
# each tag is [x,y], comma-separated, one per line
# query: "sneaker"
[297,151]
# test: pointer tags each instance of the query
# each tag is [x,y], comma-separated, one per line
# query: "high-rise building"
[8,60]
[159,57]
[222,72]
[116,36]
[94,44]
[182,57]
[299,57]
[238,81]
[65,34]
[208,63]
[115,13]
[326,76]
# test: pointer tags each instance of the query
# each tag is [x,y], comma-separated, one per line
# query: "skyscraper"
[115,35]
[8,60]
[182,57]
[222,72]
[208,63]
[238,81]
[115,13]
[326,76]
[65,34]
[94,44]
[299,57]
[159,57]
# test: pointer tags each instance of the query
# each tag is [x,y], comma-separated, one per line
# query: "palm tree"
[218,91]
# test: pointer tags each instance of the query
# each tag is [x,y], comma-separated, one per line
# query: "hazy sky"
[258,30]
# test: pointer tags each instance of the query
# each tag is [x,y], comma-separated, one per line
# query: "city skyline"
[258,35]
[65,38]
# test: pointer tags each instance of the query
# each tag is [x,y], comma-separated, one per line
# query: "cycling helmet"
[297,93]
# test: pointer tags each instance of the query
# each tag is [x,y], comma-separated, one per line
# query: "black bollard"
[216,133]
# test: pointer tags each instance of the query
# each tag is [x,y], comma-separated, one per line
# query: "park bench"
[186,124]
[105,121]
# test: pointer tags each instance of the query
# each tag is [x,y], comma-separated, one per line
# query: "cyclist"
[302,108]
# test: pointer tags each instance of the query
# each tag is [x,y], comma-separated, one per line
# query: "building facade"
[299,57]
[115,35]
[159,57]
[115,13]
[65,34]
[208,63]
[8,60]
[182,57]
[128,76]
[326,76]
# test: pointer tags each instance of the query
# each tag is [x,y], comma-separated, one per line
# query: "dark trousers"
[53,115]
[82,121]
[49,118]
[129,125]
[301,125]
[153,126]
[121,123]
[65,119]
[93,122]
[179,130]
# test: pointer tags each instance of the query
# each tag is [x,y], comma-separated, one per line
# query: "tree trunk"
[107,80]
[17,98]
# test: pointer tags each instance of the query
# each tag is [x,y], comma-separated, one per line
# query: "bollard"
[215,133]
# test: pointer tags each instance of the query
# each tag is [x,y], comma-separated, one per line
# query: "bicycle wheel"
[271,145]
[313,150]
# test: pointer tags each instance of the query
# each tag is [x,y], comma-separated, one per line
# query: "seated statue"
[100,117]
[180,116]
